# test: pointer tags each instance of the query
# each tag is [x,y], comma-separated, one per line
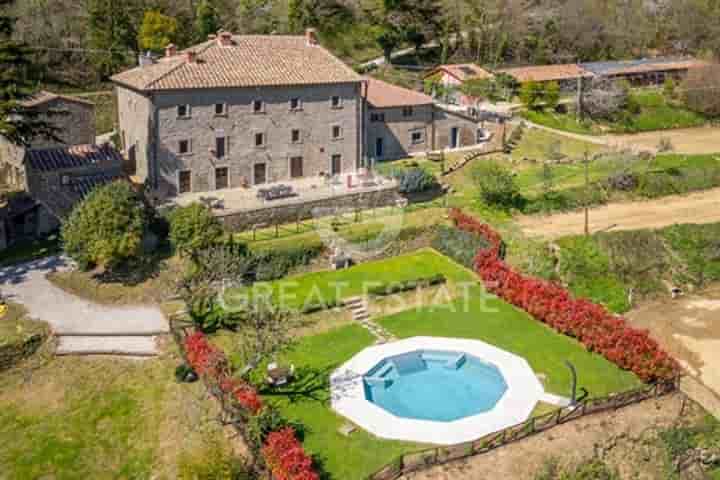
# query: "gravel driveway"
[26,284]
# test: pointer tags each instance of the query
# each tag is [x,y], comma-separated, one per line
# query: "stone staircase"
[358,307]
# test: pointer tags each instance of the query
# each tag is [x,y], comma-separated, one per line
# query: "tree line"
[85,41]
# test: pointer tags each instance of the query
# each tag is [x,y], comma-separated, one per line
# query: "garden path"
[83,327]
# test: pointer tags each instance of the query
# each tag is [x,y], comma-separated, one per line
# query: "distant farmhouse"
[246,110]
[454,75]
[644,72]
[47,178]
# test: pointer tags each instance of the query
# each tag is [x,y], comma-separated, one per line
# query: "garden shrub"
[106,228]
[184,373]
[209,316]
[624,182]
[398,287]
[286,458]
[591,324]
[268,420]
[414,180]
[497,185]
[193,227]
[457,244]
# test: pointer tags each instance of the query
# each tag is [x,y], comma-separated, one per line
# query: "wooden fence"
[411,462]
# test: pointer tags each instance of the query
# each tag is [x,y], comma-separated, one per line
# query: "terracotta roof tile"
[380,94]
[44,96]
[546,73]
[251,60]
[463,71]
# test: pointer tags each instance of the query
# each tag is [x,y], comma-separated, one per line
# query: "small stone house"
[43,181]
[240,110]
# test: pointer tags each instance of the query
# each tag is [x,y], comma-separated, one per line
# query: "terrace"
[303,191]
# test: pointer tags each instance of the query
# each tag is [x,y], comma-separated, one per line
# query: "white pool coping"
[524,390]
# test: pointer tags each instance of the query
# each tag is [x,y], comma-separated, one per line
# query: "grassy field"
[656,113]
[297,291]
[103,418]
[16,327]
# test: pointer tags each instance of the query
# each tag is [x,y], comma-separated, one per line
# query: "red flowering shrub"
[282,451]
[204,357]
[286,458]
[591,324]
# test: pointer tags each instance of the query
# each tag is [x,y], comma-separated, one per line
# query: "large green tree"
[107,228]
[18,123]
[157,31]
[112,34]
[207,20]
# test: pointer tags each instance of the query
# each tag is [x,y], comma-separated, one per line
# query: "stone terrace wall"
[287,212]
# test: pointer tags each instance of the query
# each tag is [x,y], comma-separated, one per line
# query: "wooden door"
[184,185]
[260,173]
[296,167]
[336,165]
[221,178]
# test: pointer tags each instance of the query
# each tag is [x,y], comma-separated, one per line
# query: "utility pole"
[586,161]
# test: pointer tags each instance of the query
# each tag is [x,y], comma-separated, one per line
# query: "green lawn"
[656,113]
[494,321]
[307,399]
[102,418]
[305,289]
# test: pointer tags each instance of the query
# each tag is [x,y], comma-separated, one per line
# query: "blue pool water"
[434,385]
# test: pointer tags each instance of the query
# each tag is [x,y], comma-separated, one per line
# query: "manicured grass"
[101,418]
[296,291]
[307,400]
[535,144]
[491,320]
[27,250]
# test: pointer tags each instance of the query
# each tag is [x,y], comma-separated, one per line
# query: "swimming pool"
[441,386]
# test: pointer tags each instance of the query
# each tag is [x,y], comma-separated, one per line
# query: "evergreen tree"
[18,123]
[207,20]
[112,34]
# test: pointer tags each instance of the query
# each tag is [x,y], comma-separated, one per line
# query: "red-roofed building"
[452,76]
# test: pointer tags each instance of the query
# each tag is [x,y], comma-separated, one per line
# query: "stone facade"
[395,132]
[152,126]
[76,122]
[426,128]
[453,129]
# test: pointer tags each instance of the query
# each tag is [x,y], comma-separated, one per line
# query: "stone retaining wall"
[288,212]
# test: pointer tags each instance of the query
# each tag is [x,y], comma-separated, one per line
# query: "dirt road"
[700,207]
[685,140]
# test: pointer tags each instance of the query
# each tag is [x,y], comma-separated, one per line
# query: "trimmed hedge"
[398,287]
[591,324]
[457,244]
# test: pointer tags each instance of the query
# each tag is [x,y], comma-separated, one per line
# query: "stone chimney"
[191,56]
[171,50]
[225,38]
[146,59]
[311,36]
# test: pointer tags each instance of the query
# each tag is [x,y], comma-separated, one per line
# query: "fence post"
[254,229]
[277,230]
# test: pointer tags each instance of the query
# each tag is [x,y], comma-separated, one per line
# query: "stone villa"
[244,110]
